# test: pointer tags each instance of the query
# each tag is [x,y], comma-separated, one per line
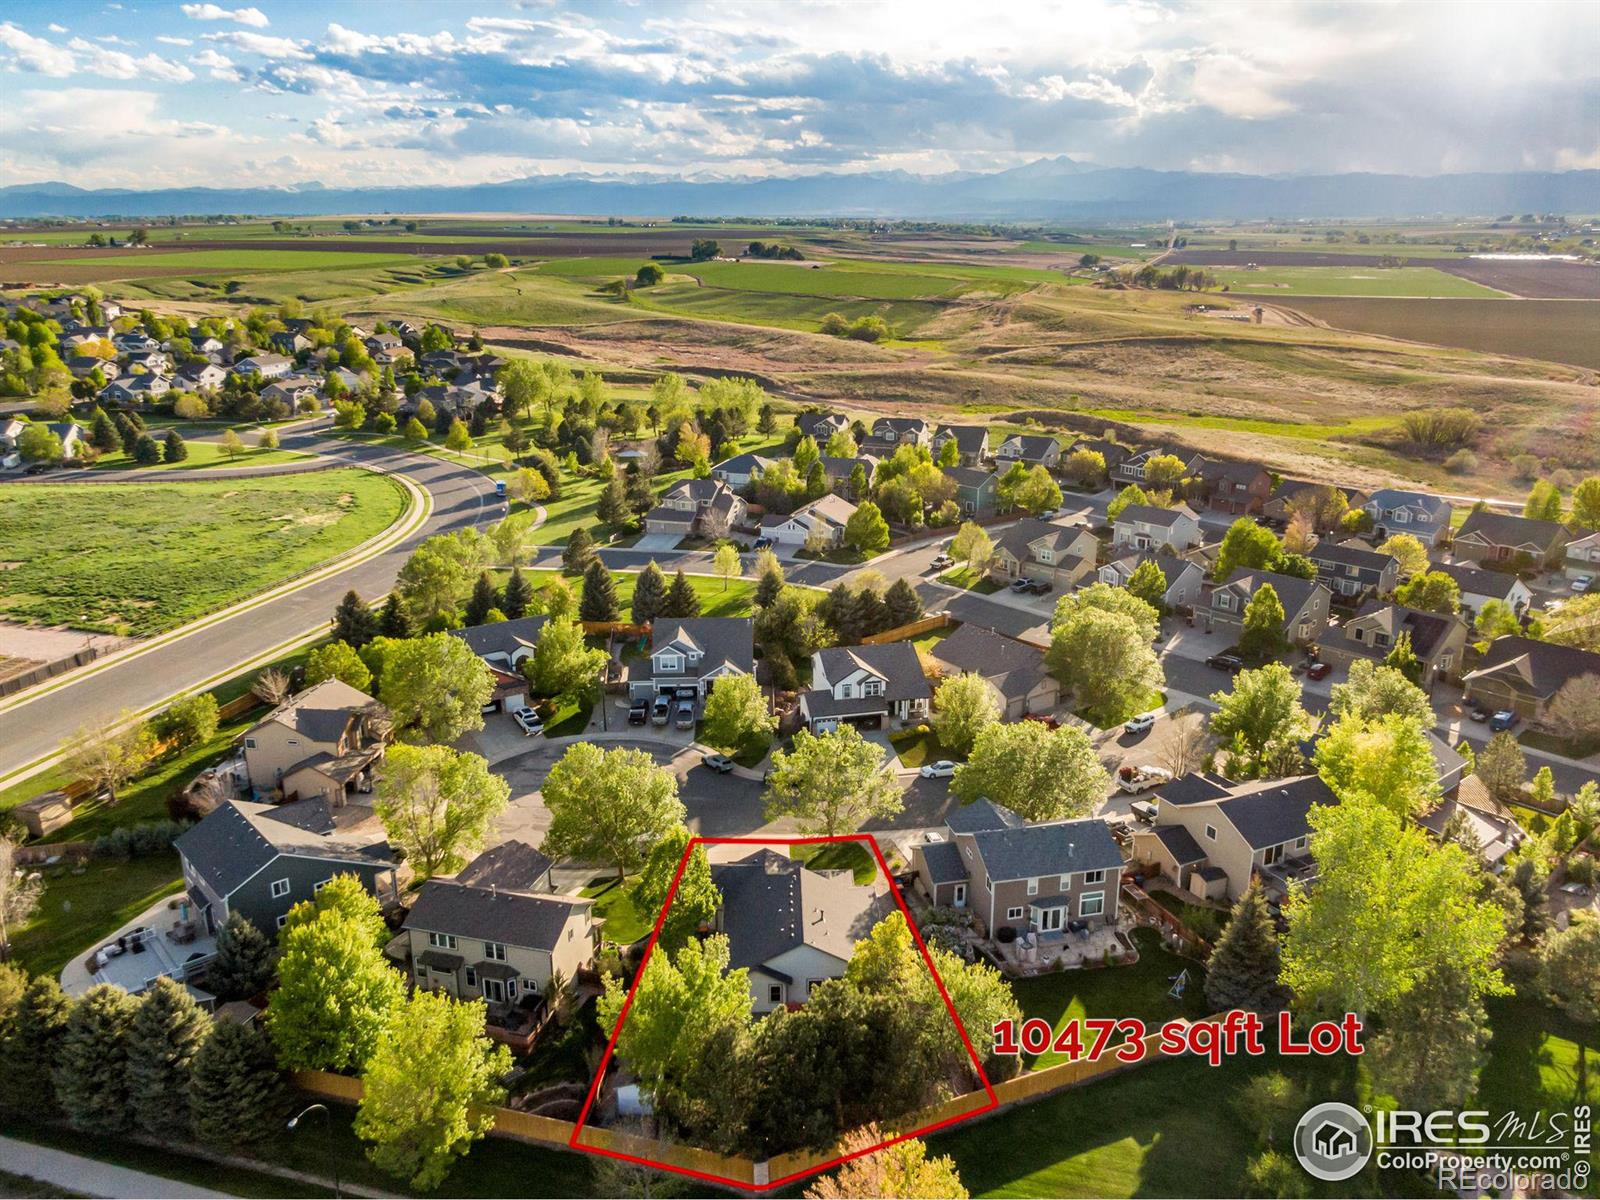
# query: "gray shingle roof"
[514,865]
[970,439]
[1475,580]
[235,841]
[981,815]
[1427,630]
[722,641]
[321,712]
[1537,668]
[502,637]
[1293,592]
[1149,514]
[1180,844]
[491,914]
[1012,666]
[1335,554]
[1435,508]
[1193,788]
[771,904]
[1506,529]
[1060,849]
[1276,812]
[944,862]
[896,663]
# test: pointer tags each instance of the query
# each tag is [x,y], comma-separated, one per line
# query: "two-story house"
[1034,879]
[1212,836]
[889,432]
[135,390]
[1523,675]
[268,366]
[704,507]
[1029,449]
[821,522]
[322,742]
[1132,468]
[1479,586]
[840,471]
[977,490]
[260,860]
[692,653]
[738,471]
[1424,517]
[297,392]
[1305,604]
[1062,555]
[201,377]
[1353,571]
[1438,640]
[1146,527]
[1487,537]
[1235,487]
[1583,556]
[1113,453]
[504,646]
[1185,579]
[821,425]
[1013,669]
[865,685]
[790,927]
[972,443]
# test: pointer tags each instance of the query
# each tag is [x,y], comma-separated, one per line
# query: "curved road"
[461,498]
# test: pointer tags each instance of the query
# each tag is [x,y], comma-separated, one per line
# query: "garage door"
[825,725]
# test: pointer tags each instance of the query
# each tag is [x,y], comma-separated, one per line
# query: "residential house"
[268,366]
[1032,450]
[1234,487]
[1114,453]
[821,425]
[260,860]
[1353,571]
[1424,517]
[822,521]
[972,443]
[1438,640]
[1276,510]
[153,361]
[1305,604]
[977,490]
[1131,468]
[84,365]
[1146,527]
[294,390]
[692,652]
[1583,556]
[1034,879]
[1478,587]
[1184,579]
[200,377]
[1014,670]
[135,389]
[319,743]
[135,342]
[289,343]
[705,507]
[1487,537]
[71,435]
[383,343]
[738,471]
[499,944]
[889,432]
[839,470]
[1493,828]
[866,686]
[1212,836]
[504,646]
[790,927]
[1063,555]
[1524,675]
[513,865]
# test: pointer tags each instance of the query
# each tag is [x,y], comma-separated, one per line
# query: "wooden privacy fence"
[23,680]
[903,633]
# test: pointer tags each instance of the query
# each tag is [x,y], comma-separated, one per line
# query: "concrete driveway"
[657,542]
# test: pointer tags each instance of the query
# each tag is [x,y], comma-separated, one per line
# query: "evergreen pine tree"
[599,601]
[649,595]
[354,622]
[103,434]
[174,448]
[146,451]
[167,1030]
[127,433]
[91,1070]
[902,603]
[871,614]
[393,621]
[769,585]
[243,966]
[484,597]
[517,596]
[682,600]
[1243,971]
[236,1092]
[641,491]
[29,1047]
[613,508]
[839,610]
[579,552]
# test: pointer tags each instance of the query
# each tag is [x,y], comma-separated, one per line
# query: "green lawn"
[143,557]
[245,260]
[972,581]
[717,599]
[1533,1059]
[624,924]
[915,748]
[1426,282]
[79,909]
[201,456]
[1138,991]
[839,856]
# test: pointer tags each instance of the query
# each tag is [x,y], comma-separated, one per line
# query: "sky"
[373,94]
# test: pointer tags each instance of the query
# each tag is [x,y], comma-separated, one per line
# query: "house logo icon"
[1332,1142]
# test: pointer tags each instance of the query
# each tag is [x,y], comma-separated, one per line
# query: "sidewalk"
[90,1176]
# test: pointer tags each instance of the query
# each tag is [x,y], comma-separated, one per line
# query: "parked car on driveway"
[762,543]
[943,769]
[1502,720]
[942,562]
[1140,724]
[1319,670]
[720,763]
[684,717]
[661,711]
[1020,586]
[1144,810]
[528,721]
[639,712]
[1038,587]
[1226,662]
[1478,713]
[1582,583]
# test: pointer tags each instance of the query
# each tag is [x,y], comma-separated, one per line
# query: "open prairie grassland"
[1008,331]
[140,558]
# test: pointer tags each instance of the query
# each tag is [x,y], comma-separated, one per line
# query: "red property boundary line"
[747,1185]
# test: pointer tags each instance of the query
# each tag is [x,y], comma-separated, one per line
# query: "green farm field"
[242,259]
[1425,282]
[139,558]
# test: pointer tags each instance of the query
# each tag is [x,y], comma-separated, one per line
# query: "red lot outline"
[605,1061]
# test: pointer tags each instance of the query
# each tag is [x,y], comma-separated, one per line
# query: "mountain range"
[1043,190]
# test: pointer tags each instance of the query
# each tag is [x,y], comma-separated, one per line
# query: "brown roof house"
[1013,670]
[504,646]
[1305,604]
[323,742]
[1439,640]
[1034,549]
[702,507]
[1233,487]
[1524,675]
[1487,537]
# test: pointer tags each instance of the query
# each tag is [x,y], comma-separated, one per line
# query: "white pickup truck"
[1134,780]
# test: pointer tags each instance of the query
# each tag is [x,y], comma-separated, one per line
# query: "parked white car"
[1140,724]
[528,721]
[943,769]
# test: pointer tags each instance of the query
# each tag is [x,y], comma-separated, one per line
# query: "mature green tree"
[613,508]
[438,805]
[696,900]
[353,621]
[737,715]
[831,783]
[1042,774]
[38,443]
[1406,547]
[902,1169]
[91,1066]
[1258,719]
[649,594]
[964,706]
[902,604]
[1262,637]
[1430,1047]
[1529,878]
[243,966]
[682,600]
[103,434]
[1107,660]
[429,1088]
[394,621]
[1386,760]
[563,665]
[1247,545]
[609,806]
[1131,495]
[518,595]
[866,532]
[1374,691]
[1107,598]
[146,451]
[166,1032]
[1430,591]
[485,598]
[1149,584]
[1038,492]
[725,564]
[1496,619]
[769,578]
[30,1042]
[431,583]
[599,602]
[579,552]
[173,448]
[1544,502]
[190,720]
[435,687]
[973,546]
[1085,467]
[1244,966]
[1585,503]
[236,1093]
[337,660]
[1570,963]
[335,990]
[1503,768]
[1337,958]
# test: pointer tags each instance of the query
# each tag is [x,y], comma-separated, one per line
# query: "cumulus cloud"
[252,17]
[21,51]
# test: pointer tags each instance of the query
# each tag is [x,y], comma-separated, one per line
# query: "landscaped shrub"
[135,841]
[1461,462]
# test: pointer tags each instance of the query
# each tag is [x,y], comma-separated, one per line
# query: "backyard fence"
[1154,913]
[904,633]
[13,684]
